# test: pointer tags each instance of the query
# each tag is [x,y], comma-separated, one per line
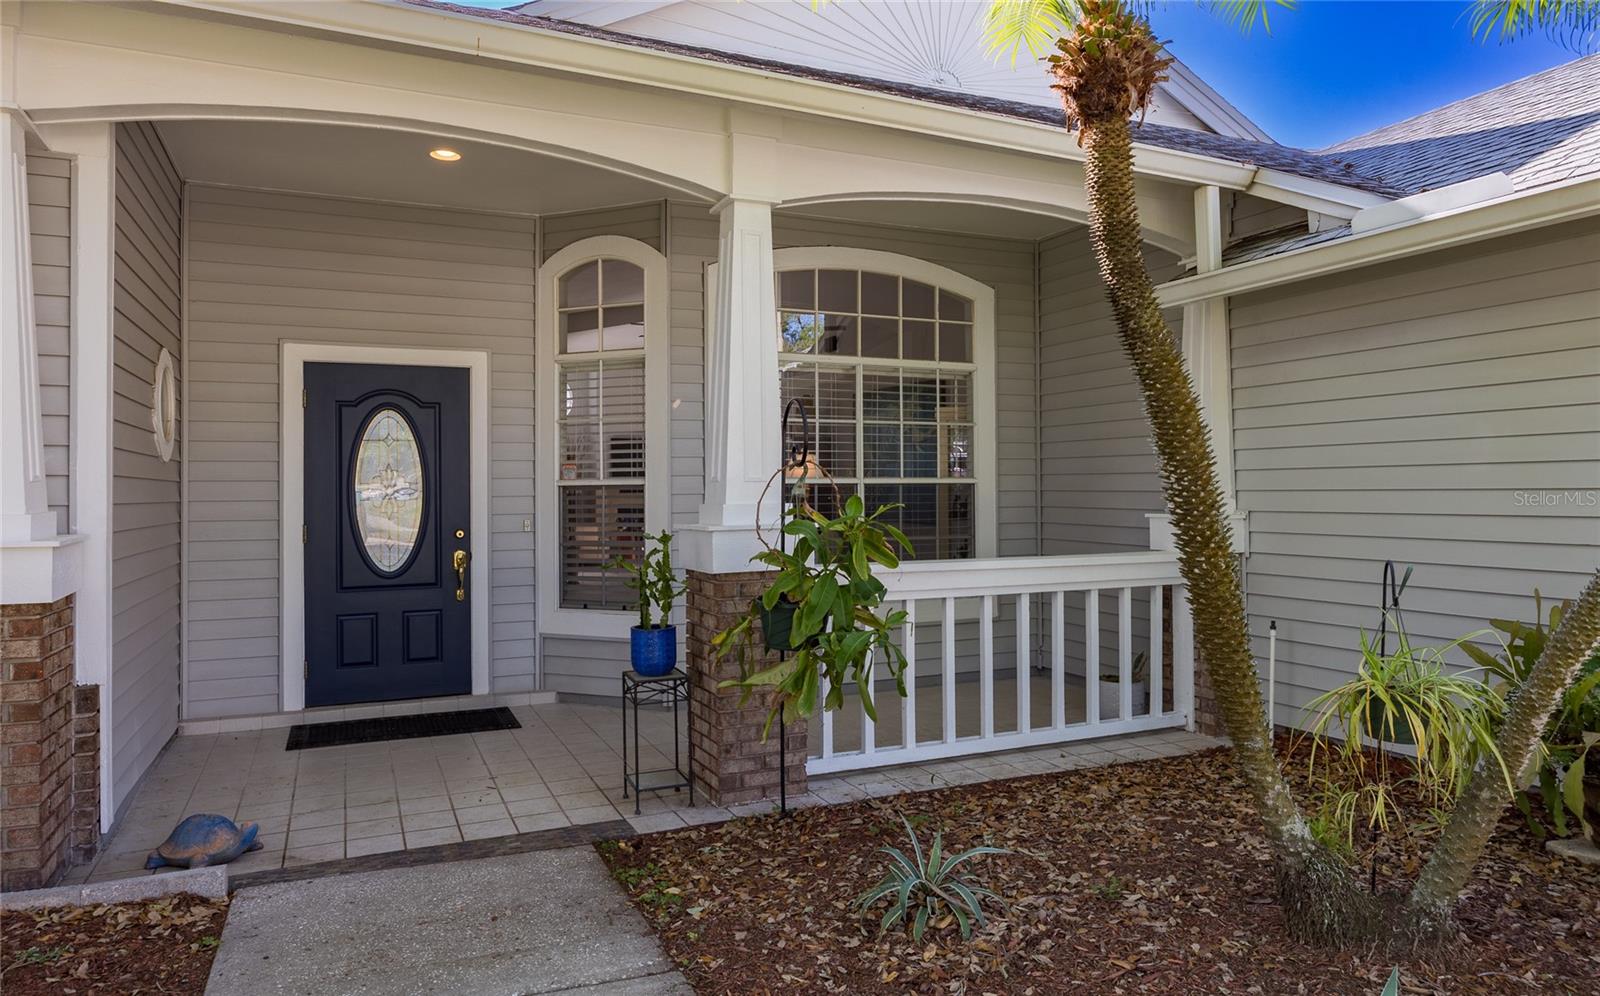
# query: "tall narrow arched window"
[602,464]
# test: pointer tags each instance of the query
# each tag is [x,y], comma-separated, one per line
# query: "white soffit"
[387,165]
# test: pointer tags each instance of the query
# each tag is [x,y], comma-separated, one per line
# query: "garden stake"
[796,460]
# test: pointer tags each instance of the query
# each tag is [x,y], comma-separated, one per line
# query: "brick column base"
[49,748]
[731,763]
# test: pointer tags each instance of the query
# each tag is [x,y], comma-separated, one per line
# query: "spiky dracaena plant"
[1106,66]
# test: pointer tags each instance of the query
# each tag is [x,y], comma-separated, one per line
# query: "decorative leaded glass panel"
[388,492]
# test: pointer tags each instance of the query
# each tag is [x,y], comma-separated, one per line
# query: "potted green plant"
[822,609]
[1110,682]
[653,644]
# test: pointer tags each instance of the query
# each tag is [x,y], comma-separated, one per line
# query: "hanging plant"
[823,608]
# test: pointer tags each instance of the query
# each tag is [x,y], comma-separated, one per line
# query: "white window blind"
[601,419]
[884,366]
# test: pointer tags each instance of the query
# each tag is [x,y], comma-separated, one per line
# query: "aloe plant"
[930,884]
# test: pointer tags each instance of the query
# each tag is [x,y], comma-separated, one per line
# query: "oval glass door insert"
[388,490]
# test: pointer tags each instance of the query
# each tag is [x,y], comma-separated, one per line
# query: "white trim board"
[554,620]
[291,553]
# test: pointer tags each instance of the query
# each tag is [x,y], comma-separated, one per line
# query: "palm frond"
[1574,24]
[1013,25]
[1246,14]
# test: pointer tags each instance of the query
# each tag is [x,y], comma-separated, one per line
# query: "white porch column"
[742,445]
[36,564]
[24,506]
[1206,351]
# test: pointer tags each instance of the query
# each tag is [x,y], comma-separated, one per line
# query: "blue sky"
[1331,69]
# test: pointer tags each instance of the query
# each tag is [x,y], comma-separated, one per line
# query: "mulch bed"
[1138,878]
[163,945]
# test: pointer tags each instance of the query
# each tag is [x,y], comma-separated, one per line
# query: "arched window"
[892,358]
[602,460]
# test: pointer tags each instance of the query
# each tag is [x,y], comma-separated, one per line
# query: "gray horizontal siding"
[146,545]
[268,267]
[50,241]
[1398,413]
[1099,470]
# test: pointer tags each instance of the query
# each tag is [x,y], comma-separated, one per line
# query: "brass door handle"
[459,562]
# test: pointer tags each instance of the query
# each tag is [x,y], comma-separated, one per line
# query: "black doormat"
[371,731]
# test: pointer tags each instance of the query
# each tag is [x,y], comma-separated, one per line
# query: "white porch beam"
[742,445]
[1206,344]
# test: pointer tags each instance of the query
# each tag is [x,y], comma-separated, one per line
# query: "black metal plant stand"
[668,690]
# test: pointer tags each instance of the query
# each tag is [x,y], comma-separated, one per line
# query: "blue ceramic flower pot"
[655,650]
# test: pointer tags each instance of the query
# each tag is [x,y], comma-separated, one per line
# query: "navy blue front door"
[388,544]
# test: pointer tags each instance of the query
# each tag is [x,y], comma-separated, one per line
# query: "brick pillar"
[731,763]
[43,782]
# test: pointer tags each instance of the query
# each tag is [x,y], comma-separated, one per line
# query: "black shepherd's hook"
[796,459]
[1389,601]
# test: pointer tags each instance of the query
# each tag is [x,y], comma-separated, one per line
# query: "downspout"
[538,413]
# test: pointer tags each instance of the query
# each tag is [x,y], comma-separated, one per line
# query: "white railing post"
[869,729]
[827,717]
[986,667]
[1024,669]
[1183,656]
[1155,697]
[1058,659]
[1125,654]
[908,707]
[1091,656]
[948,632]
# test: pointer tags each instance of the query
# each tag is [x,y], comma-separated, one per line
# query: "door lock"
[459,561]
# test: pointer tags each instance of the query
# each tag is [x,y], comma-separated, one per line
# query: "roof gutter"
[1451,225]
[393,23]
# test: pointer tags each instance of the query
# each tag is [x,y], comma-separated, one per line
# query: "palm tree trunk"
[1432,901]
[1321,899]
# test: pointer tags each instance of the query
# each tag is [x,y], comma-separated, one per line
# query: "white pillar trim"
[1206,351]
[741,377]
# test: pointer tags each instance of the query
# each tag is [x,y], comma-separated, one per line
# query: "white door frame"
[291,550]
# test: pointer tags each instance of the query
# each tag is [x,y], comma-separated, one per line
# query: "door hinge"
[305,397]
[304,532]
[307,666]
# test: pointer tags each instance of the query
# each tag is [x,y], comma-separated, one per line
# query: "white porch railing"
[1062,628]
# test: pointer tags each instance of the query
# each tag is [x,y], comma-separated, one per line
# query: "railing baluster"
[1183,656]
[1058,659]
[986,667]
[908,707]
[869,729]
[1024,668]
[949,703]
[1158,650]
[1091,656]
[1125,654]
[827,716]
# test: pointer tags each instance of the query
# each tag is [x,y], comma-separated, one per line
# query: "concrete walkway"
[544,922]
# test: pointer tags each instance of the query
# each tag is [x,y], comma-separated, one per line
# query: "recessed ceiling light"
[445,155]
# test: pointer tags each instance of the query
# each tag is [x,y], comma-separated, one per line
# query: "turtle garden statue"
[205,839]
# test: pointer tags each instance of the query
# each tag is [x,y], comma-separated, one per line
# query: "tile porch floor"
[564,767]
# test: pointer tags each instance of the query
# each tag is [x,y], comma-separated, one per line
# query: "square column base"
[731,762]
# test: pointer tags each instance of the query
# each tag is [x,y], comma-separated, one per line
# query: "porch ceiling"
[390,165]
